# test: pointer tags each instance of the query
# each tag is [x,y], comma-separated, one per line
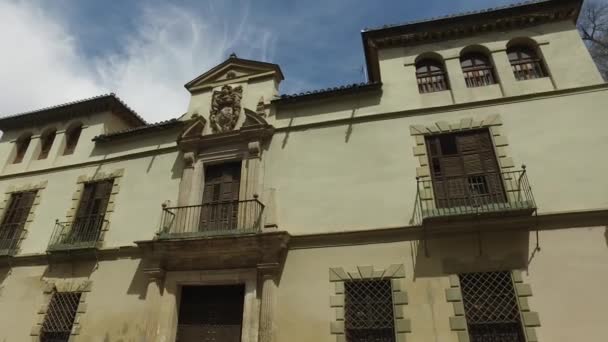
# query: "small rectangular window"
[368,311]
[60,315]
[491,308]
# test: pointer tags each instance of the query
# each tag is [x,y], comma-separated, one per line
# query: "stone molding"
[116,176]
[30,217]
[458,322]
[395,273]
[53,286]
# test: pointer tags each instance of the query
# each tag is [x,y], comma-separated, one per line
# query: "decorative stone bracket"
[458,322]
[30,217]
[395,273]
[53,286]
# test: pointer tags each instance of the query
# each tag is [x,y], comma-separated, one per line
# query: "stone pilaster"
[156,278]
[185,185]
[268,276]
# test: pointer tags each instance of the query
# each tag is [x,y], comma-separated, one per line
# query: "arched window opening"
[431,76]
[21,145]
[71,139]
[46,142]
[525,63]
[477,69]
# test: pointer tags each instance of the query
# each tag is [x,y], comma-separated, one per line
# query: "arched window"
[46,142]
[477,70]
[525,63]
[431,76]
[21,145]
[71,138]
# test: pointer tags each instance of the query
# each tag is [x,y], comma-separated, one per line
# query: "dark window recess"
[211,313]
[91,212]
[477,69]
[431,76]
[14,219]
[46,144]
[22,145]
[464,169]
[71,139]
[221,197]
[491,308]
[60,316]
[368,311]
[525,63]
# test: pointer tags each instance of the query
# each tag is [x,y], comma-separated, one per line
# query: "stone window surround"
[116,176]
[167,305]
[52,286]
[38,187]
[395,273]
[458,322]
[492,122]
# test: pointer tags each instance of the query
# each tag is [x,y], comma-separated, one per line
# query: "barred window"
[431,76]
[478,70]
[14,219]
[368,311]
[491,308]
[525,63]
[60,316]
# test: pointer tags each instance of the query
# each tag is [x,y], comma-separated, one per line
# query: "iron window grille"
[368,311]
[60,315]
[491,308]
[431,76]
[478,70]
[13,220]
[525,63]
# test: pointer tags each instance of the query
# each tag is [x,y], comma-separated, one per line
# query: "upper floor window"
[368,310]
[490,307]
[46,142]
[22,144]
[431,76]
[14,218]
[72,135]
[525,63]
[477,69]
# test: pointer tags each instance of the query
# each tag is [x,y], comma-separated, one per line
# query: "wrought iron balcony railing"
[10,233]
[83,232]
[222,218]
[489,193]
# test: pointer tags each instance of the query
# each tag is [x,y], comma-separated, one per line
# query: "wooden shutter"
[221,196]
[14,218]
[464,169]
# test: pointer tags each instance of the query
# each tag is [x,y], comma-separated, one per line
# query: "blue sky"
[146,50]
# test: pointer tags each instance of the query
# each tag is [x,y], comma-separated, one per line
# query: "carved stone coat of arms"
[225,108]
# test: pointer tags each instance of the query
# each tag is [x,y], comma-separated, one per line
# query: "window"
[477,69]
[525,63]
[46,142]
[60,316]
[431,76]
[72,135]
[491,308]
[14,219]
[464,169]
[368,311]
[90,215]
[22,145]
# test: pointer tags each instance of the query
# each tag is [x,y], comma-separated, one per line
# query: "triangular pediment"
[234,69]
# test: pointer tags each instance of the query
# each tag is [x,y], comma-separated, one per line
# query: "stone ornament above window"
[225,108]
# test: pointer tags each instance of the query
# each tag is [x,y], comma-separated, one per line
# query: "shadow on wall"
[606,235]
[139,282]
[473,252]
[66,270]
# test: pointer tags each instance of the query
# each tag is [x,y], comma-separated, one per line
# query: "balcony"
[82,233]
[490,194]
[212,219]
[10,234]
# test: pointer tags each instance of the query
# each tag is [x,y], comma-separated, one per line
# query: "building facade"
[397,209]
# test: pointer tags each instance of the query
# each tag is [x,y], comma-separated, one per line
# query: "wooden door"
[211,313]
[464,169]
[221,197]
[14,218]
[91,212]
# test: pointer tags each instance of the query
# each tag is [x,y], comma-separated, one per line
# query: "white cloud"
[170,46]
